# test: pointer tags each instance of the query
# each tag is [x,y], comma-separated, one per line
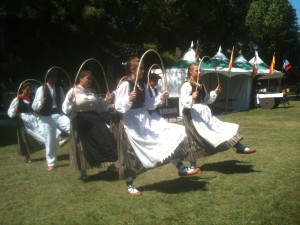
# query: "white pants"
[51,123]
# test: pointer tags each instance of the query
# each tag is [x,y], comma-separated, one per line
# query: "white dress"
[208,126]
[32,122]
[153,139]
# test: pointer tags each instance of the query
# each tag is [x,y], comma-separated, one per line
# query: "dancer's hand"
[70,96]
[108,96]
[218,89]
[132,96]
[42,100]
[164,95]
[194,95]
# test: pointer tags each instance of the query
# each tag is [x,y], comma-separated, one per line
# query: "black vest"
[140,94]
[23,107]
[201,93]
[46,109]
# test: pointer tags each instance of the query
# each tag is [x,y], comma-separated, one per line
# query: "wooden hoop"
[56,67]
[27,80]
[94,79]
[148,78]
[199,69]
[162,65]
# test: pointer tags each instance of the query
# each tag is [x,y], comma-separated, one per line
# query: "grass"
[233,189]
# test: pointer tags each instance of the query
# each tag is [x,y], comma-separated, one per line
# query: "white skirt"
[152,138]
[211,128]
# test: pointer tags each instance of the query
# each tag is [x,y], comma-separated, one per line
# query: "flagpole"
[228,81]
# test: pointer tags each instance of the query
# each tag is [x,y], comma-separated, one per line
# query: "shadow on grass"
[177,186]
[64,157]
[8,130]
[229,167]
[104,175]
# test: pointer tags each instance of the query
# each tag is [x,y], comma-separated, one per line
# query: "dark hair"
[85,73]
[53,73]
[25,85]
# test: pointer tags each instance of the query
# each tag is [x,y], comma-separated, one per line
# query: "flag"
[231,60]
[271,71]
[286,65]
[254,64]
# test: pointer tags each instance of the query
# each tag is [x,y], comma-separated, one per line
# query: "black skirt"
[27,144]
[92,142]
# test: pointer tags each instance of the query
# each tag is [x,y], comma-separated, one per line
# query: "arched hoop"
[59,68]
[199,69]
[27,80]
[120,81]
[162,66]
[100,65]
[149,71]
[216,69]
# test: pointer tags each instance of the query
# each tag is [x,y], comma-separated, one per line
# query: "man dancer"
[48,103]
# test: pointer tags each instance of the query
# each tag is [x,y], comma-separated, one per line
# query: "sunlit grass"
[262,188]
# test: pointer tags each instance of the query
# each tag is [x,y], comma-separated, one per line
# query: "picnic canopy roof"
[263,69]
[219,63]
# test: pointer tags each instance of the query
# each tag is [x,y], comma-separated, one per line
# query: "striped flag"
[286,65]
[254,64]
[231,60]
[272,65]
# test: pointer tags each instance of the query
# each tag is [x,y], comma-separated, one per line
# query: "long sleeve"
[152,101]
[67,105]
[186,100]
[210,98]
[37,105]
[12,111]
[122,103]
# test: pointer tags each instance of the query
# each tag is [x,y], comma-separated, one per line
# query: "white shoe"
[188,171]
[131,190]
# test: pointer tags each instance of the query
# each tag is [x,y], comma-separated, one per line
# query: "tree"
[272,24]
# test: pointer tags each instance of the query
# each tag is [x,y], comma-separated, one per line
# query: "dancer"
[92,143]
[30,130]
[29,127]
[204,130]
[141,143]
[48,103]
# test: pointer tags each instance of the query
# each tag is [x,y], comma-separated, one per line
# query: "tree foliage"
[36,34]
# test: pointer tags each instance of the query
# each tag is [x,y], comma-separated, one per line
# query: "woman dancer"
[141,143]
[92,143]
[29,127]
[204,130]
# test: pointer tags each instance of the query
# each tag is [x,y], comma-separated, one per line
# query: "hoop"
[27,81]
[148,78]
[56,67]
[94,79]
[199,69]
[162,65]
[216,69]
[120,81]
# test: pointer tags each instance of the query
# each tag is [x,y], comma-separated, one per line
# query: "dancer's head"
[132,66]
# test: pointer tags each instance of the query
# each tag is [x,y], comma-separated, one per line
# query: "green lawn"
[262,188]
